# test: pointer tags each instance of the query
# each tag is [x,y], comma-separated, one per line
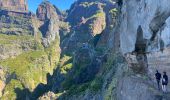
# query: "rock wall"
[14,5]
[89,20]
[51,22]
[21,46]
[144,37]
[152,16]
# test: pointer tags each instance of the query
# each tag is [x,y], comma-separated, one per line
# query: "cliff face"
[140,33]
[46,11]
[144,41]
[154,30]
[88,20]
[14,5]
[51,22]
[24,60]
[97,50]
[156,21]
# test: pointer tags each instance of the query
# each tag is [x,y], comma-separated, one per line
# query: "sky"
[61,4]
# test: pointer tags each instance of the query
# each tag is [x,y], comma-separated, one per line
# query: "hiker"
[158,78]
[164,81]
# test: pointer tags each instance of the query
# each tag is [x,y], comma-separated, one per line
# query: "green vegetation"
[65,64]
[11,39]
[16,25]
[98,14]
[96,84]
[87,4]
[30,67]
[91,86]
[114,59]
[9,92]
[113,11]
[53,53]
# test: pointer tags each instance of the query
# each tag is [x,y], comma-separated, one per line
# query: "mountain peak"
[46,11]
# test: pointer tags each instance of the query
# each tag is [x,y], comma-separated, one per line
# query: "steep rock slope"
[51,22]
[14,5]
[82,64]
[128,75]
[24,61]
[88,20]
[145,44]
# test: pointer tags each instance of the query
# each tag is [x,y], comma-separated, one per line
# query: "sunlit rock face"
[46,13]
[14,5]
[146,23]
[152,16]
[144,38]
[89,20]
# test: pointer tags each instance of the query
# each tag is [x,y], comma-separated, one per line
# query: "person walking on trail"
[164,81]
[158,78]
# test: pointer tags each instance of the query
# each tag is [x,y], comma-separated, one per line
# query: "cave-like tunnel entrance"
[140,52]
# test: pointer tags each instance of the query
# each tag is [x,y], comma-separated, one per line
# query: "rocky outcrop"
[82,17]
[49,96]
[141,34]
[19,25]
[2,80]
[129,85]
[15,18]
[49,27]
[88,19]
[16,23]
[46,11]
[85,65]
[154,27]
[154,30]
[14,5]
[144,42]
[21,48]
[51,22]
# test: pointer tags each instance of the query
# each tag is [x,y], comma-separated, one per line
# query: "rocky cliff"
[96,50]
[142,46]
[14,5]
[88,20]
[51,22]
[24,59]
[148,38]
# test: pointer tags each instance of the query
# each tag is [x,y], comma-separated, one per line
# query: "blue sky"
[61,4]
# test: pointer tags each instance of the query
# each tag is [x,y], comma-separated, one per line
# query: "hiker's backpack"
[163,80]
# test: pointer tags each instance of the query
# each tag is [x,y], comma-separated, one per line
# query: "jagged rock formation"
[24,61]
[88,20]
[15,23]
[51,22]
[154,28]
[142,39]
[138,40]
[50,29]
[14,5]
